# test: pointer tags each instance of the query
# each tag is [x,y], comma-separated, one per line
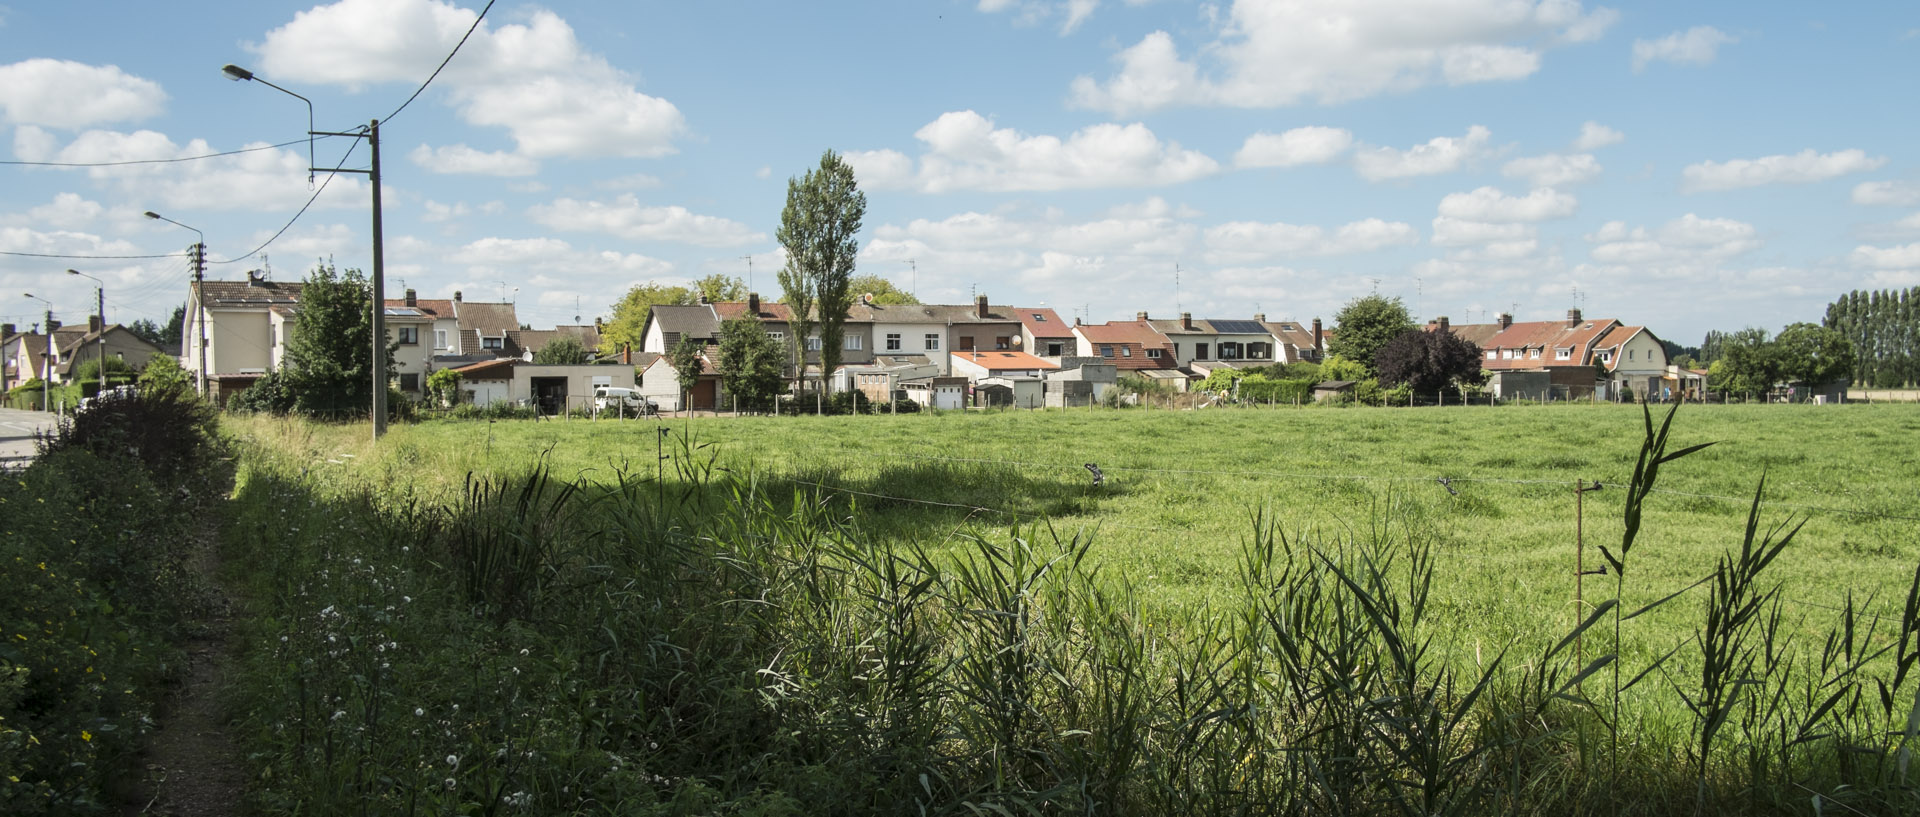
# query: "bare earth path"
[192,766]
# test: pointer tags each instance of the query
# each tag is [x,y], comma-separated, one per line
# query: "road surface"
[17,430]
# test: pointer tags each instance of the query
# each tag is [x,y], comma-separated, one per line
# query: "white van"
[622,401]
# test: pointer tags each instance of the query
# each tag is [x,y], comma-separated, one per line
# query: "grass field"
[1182,487]
[871,612]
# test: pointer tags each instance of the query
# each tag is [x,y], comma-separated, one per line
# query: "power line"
[153,161]
[303,209]
[443,63]
[86,257]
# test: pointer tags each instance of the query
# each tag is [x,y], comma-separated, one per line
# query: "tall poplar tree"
[819,229]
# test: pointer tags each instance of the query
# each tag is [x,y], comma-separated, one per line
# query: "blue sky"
[1687,166]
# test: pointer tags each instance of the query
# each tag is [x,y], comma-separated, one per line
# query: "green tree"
[630,313]
[882,290]
[685,357]
[562,351]
[443,387]
[718,287]
[819,229]
[1428,361]
[1748,364]
[148,331]
[1367,324]
[1337,367]
[164,373]
[329,366]
[1812,354]
[749,362]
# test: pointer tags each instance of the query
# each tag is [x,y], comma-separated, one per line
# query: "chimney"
[93,324]
[52,325]
[626,353]
[980,307]
[597,325]
[1319,342]
[1505,319]
[703,298]
[6,330]
[1260,317]
[253,277]
[753,304]
[1573,318]
[1443,323]
[412,299]
[1186,321]
[456,296]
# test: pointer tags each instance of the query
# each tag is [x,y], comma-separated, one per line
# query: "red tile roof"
[1043,322]
[1139,333]
[1004,360]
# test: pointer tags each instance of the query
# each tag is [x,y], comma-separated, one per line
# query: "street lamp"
[100,292]
[198,257]
[379,306]
[46,356]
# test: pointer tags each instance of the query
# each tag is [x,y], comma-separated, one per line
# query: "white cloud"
[534,79]
[1269,53]
[1033,12]
[553,262]
[1697,46]
[1800,168]
[964,151]
[262,179]
[1594,136]
[1905,256]
[67,94]
[626,218]
[1455,232]
[1490,205]
[1553,169]
[67,211]
[1688,238]
[1441,154]
[631,181]
[1248,241]
[1300,146]
[1888,193]
[463,159]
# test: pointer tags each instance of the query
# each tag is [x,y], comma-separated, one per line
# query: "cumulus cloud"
[1456,232]
[551,263]
[1594,136]
[463,159]
[1553,169]
[1905,256]
[1268,53]
[68,94]
[1441,154]
[627,218]
[1799,168]
[1490,205]
[1695,46]
[1888,193]
[1688,238]
[1249,241]
[534,79]
[1300,146]
[964,151]
[262,179]
[1070,13]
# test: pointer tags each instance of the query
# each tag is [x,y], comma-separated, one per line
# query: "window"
[273,336]
[1229,351]
[491,343]
[1153,354]
[1106,351]
[933,342]
[1533,353]
[1199,351]
[777,334]
[813,343]
[439,338]
[1003,342]
[1606,357]
[1491,354]
[1562,354]
[1039,318]
[1126,351]
[893,341]
[410,382]
[1053,349]
[1630,353]
[966,343]
[409,335]
[853,343]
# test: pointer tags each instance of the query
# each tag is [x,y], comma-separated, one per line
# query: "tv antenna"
[576,309]
[1376,285]
[915,281]
[749,260]
[1418,290]
[1176,288]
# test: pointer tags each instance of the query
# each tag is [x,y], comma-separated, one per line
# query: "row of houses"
[941,355]
[55,355]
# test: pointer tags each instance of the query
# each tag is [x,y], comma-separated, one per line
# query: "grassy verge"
[734,638]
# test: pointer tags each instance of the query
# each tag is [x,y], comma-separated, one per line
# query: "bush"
[271,394]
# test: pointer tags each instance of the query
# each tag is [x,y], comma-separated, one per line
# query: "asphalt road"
[17,429]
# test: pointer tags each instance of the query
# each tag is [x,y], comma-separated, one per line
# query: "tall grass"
[702,640]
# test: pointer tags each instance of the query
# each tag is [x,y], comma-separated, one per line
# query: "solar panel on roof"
[1238,327]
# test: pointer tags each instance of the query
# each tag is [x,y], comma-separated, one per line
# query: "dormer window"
[493,343]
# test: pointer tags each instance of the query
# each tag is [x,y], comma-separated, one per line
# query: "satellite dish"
[1016,341]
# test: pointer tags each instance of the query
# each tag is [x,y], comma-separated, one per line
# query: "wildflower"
[418,712]
[453,760]
[449,783]
[86,736]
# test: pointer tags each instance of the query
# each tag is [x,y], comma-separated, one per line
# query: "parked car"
[622,400]
[115,393]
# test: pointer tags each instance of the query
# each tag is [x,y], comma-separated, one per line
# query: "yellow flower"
[86,735]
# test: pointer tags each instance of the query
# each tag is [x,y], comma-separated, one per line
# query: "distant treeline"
[1885,329]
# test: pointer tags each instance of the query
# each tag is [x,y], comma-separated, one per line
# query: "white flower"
[453,760]
[418,712]
[449,783]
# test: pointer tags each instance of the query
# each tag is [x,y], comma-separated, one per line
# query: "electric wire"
[443,63]
[296,216]
[154,161]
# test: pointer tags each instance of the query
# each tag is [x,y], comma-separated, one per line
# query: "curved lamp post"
[46,356]
[100,338]
[379,305]
[199,261]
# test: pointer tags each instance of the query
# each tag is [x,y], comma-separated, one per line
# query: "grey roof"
[941,314]
[492,320]
[691,320]
[248,293]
